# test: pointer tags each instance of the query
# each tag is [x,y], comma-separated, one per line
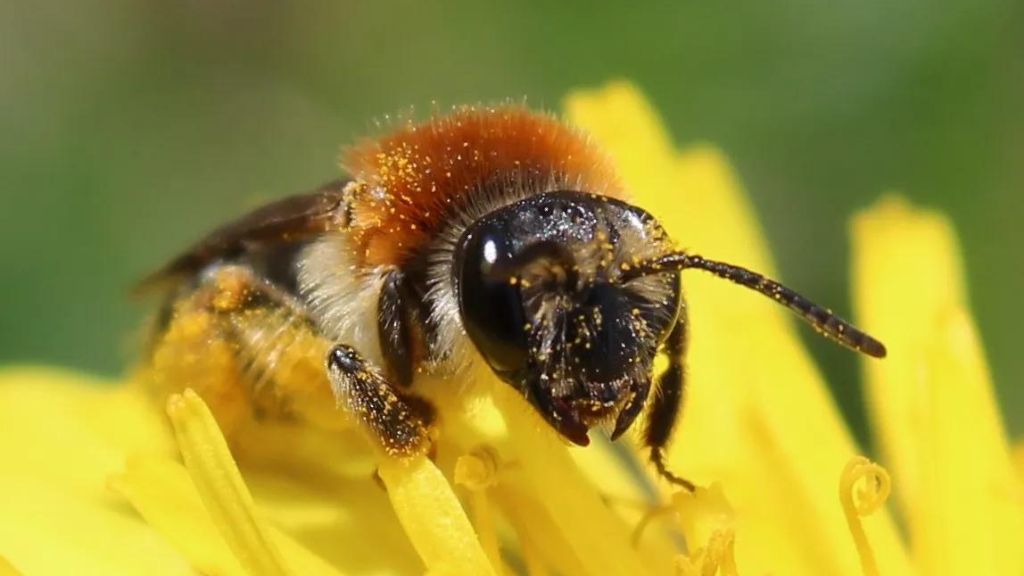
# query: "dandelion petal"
[163,494]
[65,434]
[758,416]
[932,400]
[220,484]
[433,517]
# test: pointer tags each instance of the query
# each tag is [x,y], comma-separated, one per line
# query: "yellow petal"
[333,516]
[433,517]
[46,531]
[220,485]
[601,541]
[81,428]
[544,485]
[542,543]
[63,434]
[758,417]
[932,401]
[6,569]
[1019,457]
[628,494]
[164,494]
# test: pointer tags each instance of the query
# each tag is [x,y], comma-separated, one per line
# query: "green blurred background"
[129,128]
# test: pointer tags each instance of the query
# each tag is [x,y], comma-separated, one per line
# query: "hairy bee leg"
[246,348]
[398,422]
[191,349]
[667,403]
[394,329]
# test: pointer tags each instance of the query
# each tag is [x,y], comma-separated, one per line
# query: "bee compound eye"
[490,304]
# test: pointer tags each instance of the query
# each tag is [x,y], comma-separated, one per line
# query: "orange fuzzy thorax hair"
[409,182]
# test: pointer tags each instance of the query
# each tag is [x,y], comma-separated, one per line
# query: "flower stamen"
[706,516]
[220,485]
[718,557]
[653,513]
[864,487]
[433,517]
[478,471]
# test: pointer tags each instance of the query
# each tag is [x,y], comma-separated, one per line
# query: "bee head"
[545,297]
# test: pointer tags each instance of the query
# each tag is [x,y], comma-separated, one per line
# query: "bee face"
[544,298]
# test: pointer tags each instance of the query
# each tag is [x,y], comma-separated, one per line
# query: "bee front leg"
[397,421]
[667,403]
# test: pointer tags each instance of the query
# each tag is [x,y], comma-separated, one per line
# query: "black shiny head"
[545,297]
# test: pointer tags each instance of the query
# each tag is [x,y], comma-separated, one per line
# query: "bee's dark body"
[269,245]
[491,235]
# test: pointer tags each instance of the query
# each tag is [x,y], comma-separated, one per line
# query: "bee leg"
[666,404]
[398,422]
[393,327]
[283,346]
[247,348]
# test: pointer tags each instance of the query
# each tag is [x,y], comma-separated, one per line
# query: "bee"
[487,236]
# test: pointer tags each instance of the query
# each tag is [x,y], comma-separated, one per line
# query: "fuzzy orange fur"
[409,182]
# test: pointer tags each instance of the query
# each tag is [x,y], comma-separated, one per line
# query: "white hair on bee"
[342,297]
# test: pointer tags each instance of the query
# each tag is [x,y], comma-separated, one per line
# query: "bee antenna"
[821,319]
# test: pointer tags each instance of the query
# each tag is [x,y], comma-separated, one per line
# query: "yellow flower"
[93,480]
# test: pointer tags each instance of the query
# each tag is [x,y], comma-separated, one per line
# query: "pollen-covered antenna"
[821,319]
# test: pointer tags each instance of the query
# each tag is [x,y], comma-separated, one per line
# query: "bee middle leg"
[240,340]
